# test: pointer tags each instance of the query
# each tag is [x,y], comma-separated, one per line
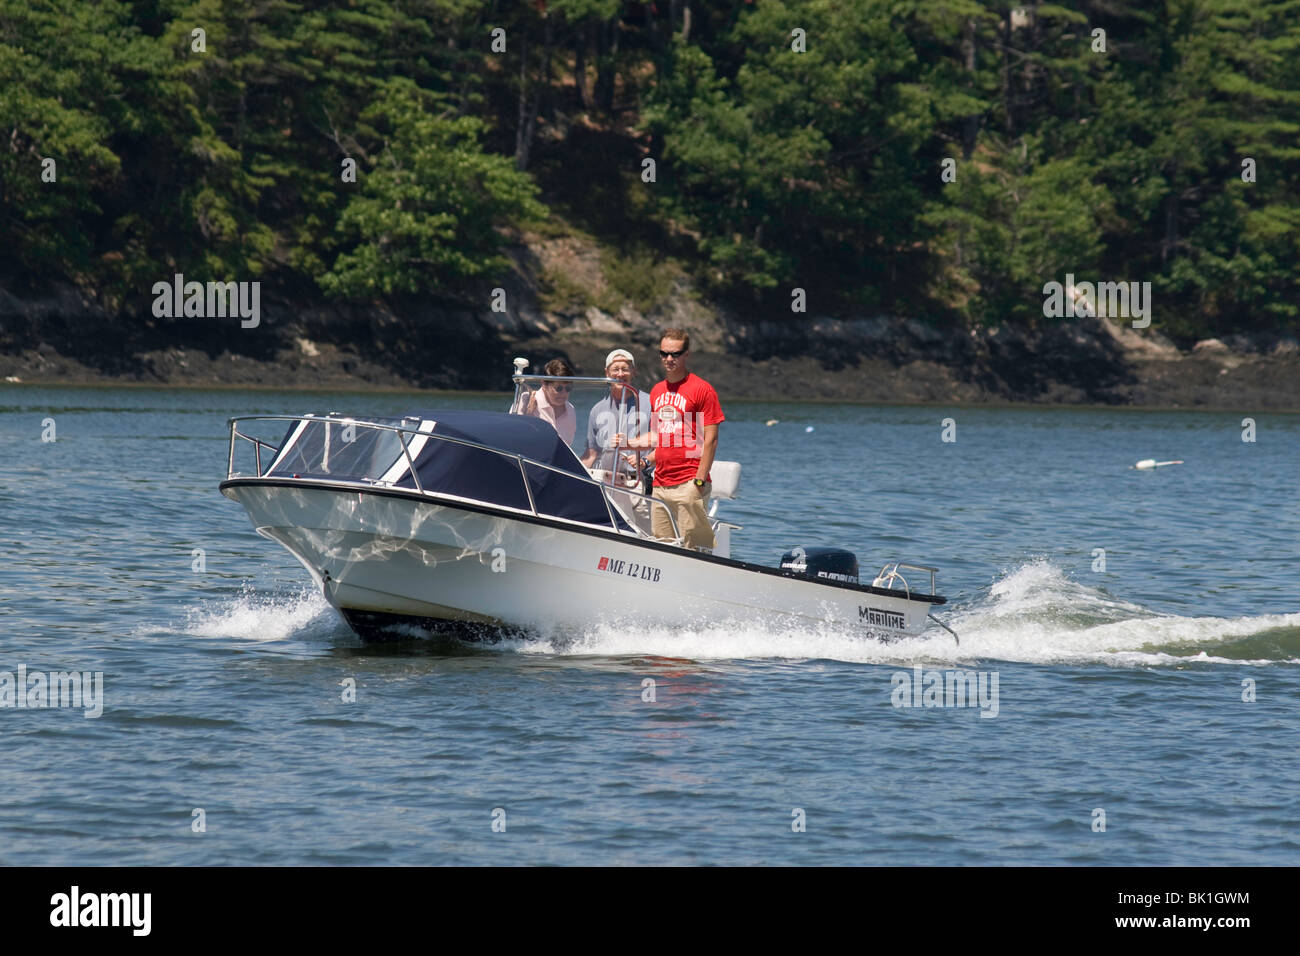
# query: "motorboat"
[478,523]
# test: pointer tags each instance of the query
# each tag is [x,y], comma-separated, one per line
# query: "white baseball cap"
[619,354]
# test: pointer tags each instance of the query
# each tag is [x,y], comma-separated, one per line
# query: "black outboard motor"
[834,564]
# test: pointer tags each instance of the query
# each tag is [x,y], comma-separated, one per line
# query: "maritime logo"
[74,909]
[881,625]
[946,689]
[878,617]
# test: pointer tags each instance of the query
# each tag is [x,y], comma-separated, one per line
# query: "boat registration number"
[631,569]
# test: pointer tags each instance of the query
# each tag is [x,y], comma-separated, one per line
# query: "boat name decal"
[629,569]
[877,617]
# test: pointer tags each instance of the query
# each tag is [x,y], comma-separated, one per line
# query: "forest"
[937,159]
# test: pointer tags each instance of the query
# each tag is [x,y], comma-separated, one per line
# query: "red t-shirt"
[680,412]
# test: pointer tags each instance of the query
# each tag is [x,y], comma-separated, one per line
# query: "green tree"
[60,99]
[802,164]
[428,213]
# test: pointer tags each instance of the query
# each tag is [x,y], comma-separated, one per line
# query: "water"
[1118,690]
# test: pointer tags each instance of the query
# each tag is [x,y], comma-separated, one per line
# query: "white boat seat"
[726,479]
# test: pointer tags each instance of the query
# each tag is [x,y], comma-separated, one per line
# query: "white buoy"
[808,429]
[772,421]
[1148,463]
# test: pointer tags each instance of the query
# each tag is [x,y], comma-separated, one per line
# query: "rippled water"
[1118,690]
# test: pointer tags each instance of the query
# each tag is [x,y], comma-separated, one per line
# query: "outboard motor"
[834,564]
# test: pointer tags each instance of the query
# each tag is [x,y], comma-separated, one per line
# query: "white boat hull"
[379,555]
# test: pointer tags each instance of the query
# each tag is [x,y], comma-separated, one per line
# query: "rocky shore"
[63,338]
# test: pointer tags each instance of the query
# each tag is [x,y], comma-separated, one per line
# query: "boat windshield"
[341,448]
[588,413]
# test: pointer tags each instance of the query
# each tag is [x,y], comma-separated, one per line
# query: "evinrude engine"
[834,564]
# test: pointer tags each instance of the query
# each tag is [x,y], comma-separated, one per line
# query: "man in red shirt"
[685,433]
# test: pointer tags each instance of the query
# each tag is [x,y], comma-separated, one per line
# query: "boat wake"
[258,616]
[1033,614]
[1038,614]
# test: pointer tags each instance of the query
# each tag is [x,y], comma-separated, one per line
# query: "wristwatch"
[699,482]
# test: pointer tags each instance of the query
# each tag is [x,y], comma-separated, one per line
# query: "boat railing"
[626,511]
[892,572]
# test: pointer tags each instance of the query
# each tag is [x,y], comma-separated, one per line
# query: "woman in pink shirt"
[551,402]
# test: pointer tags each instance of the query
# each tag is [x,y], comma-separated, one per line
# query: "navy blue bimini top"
[445,467]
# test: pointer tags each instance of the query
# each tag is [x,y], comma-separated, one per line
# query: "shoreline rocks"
[63,338]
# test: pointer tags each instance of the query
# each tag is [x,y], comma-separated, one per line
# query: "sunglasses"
[558,387]
[678,354]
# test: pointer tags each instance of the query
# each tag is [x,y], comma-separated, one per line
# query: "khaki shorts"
[690,510]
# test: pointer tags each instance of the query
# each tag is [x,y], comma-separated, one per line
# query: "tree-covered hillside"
[935,158]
